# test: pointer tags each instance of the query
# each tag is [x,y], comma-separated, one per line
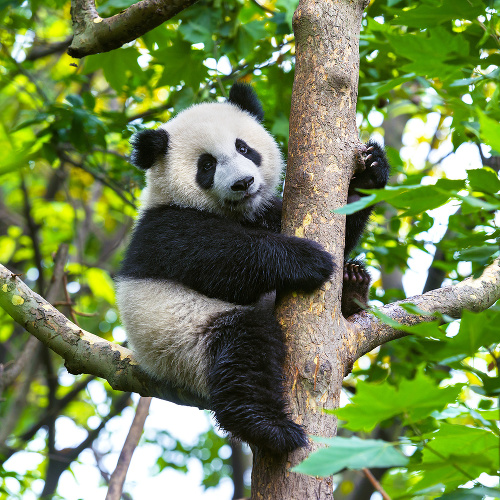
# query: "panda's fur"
[206,256]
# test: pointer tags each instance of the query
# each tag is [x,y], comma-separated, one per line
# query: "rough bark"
[93,34]
[322,152]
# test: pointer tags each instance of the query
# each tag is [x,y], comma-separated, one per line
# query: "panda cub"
[205,255]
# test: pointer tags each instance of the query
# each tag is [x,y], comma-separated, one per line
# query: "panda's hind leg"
[245,380]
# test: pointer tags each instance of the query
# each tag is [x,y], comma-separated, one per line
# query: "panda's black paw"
[373,168]
[315,266]
[356,286]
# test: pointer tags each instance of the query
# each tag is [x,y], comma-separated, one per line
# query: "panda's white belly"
[165,323]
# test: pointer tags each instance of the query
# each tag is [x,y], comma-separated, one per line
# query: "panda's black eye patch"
[206,170]
[245,150]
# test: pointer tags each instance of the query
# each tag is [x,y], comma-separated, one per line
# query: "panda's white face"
[219,158]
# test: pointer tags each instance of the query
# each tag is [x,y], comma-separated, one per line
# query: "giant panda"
[206,256]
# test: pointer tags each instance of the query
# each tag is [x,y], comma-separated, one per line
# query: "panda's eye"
[242,147]
[208,164]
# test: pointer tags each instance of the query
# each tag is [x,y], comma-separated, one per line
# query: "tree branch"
[48,49]
[368,332]
[88,353]
[93,34]
[83,352]
[134,434]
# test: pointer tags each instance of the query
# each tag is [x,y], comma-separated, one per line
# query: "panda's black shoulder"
[163,216]
[269,218]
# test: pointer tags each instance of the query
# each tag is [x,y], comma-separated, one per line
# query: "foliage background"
[428,88]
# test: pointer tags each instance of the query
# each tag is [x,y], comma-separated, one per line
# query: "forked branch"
[368,332]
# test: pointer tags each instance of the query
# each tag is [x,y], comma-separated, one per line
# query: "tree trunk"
[322,153]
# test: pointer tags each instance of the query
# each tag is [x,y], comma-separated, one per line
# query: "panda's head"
[213,156]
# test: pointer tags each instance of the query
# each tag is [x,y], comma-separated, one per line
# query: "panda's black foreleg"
[355,289]
[372,173]
[245,380]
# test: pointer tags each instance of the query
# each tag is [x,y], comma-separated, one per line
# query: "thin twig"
[27,74]
[150,112]
[68,300]
[33,228]
[375,483]
[118,477]
[97,177]
[105,474]
[39,51]
[58,407]
[11,419]
[70,304]
[13,371]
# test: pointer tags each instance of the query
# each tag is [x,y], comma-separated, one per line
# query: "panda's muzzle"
[243,184]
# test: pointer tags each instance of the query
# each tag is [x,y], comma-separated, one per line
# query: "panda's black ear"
[245,98]
[147,147]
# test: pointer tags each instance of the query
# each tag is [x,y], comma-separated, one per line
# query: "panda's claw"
[355,288]
[372,170]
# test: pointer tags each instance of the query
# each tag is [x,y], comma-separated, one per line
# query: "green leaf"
[108,6]
[478,492]
[489,131]
[379,88]
[430,52]
[118,66]
[478,254]
[288,6]
[455,453]
[454,440]
[350,453]
[200,25]
[350,208]
[414,399]
[414,198]
[7,248]
[484,179]
[248,35]
[181,64]
[476,330]
[427,14]
[472,204]
[413,309]
[100,284]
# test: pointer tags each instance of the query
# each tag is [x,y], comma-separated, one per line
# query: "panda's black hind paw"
[356,286]
[373,168]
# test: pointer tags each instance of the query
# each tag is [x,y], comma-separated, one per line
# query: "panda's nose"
[242,184]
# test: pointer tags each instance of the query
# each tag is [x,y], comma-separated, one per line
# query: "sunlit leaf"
[101,284]
[350,453]
[414,400]
[484,179]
